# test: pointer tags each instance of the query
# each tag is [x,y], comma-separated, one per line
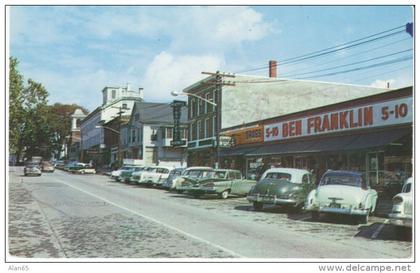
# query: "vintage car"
[115,174]
[167,184]
[343,192]
[222,182]
[402,209]
[47,166]
[32,169]
[137,176]
[125,175]
[282,186]
[156,176]
[87,169]
[191,172]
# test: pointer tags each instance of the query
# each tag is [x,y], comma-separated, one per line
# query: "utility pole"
[218,83]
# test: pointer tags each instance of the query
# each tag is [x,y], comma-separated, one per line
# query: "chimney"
[273,69]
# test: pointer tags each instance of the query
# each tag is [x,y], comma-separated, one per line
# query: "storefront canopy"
[338,143]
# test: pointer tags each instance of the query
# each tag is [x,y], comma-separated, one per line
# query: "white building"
[115,99]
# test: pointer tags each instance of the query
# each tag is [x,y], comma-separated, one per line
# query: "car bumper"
[202,190]
[397,220]
[271,200]
[347,211]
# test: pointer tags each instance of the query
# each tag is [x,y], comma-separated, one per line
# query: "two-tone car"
[343,192]
[157,176]
[115,174]
[223,182]
[32,169]
[191,172]
[282,186]
[402,208]
[167,184]
[138,176]
[125,175]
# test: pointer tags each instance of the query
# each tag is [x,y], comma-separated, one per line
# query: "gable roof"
[153,112]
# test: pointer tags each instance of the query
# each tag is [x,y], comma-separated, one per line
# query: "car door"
[239,185]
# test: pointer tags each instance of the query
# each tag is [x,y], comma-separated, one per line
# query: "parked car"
[74,166]
[126,174]
[47,167]
[222,182]
[282,186]
[402,209]
[32,169]
[343,192]
[167,184]
[84,170]
[157,176]
[137,176]
[115,174]
[191,172]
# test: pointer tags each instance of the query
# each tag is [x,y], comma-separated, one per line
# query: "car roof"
[343,172]
[410,180]
[226,170]
[199,168]
[288,170]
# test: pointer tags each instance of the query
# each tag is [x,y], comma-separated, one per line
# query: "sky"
[75,51]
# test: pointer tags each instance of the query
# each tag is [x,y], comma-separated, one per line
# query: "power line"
[402,59]
[351,55]
[334,48]
[384,73]
[350,64]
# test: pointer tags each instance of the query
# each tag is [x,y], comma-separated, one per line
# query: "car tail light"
[397,200]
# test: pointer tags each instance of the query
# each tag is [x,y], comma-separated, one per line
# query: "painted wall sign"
[247,136]
[391,112]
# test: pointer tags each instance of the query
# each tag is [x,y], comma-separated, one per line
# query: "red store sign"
[391,112]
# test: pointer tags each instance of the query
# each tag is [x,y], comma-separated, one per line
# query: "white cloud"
[170,72]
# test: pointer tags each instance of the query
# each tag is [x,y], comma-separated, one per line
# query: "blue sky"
[76,51]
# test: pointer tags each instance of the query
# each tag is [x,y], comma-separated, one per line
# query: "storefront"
[372,134]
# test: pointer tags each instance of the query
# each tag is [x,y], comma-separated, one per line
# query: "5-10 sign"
[399,111]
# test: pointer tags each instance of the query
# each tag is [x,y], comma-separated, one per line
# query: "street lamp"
[173,93]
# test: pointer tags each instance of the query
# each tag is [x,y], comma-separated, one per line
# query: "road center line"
[156,221]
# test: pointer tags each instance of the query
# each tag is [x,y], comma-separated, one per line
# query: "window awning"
[330,144]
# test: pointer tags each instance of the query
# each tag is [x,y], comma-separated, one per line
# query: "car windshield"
[215,174]
[32,166]
[278,176]
[343,179]
[197,173]
[407,188]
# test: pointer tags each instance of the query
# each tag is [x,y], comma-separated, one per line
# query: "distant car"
[222,182]
[125,175]
[402,209]
[190,172]
[32,169]
[85,170]
[157,176]
[172,175]
[343,192]
[47,167]
[115,174]
[282,186]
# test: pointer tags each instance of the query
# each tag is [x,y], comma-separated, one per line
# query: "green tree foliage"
[35,128]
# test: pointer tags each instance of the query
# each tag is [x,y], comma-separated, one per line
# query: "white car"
[402,209]
[86,170]
[138,176]
[115,174]
[157,176]
[342,192]
[193,172]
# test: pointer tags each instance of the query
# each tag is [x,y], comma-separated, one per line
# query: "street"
[63,215]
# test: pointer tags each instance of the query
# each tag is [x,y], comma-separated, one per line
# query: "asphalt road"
[62,215]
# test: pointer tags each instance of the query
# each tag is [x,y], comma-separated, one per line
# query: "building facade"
[252,99]
[373,134]
[148,134]
[116,101]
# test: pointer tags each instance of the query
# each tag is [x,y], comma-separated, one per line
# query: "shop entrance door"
[372,168]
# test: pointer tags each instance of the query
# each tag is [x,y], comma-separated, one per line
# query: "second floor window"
[202,129]
[193,129]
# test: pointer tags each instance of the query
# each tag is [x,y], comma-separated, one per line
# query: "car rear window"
[342,179]
[407,188]
[278,175]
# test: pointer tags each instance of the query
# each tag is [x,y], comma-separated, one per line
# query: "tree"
[59,119]
[15,104]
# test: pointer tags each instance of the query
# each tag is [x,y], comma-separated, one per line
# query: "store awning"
[237,151]
[330,144]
